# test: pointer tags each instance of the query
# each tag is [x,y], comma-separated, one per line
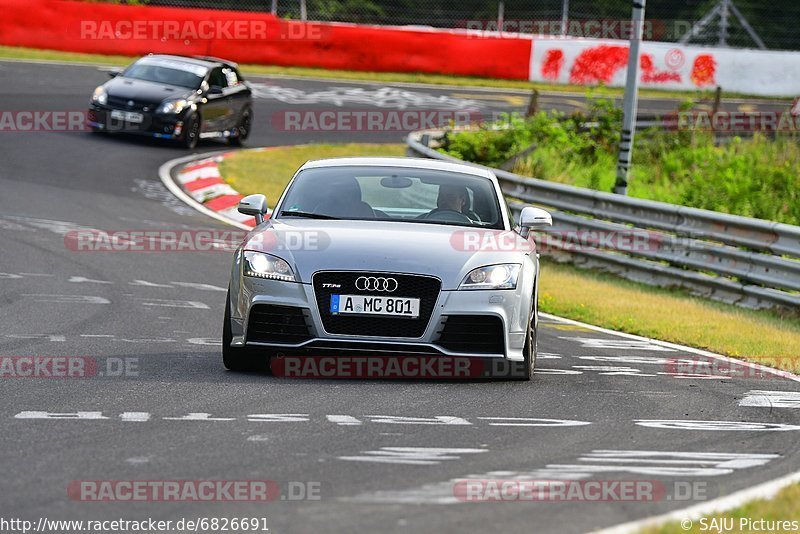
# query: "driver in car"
[452,197]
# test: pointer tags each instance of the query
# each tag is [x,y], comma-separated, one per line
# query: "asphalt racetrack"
[367,455]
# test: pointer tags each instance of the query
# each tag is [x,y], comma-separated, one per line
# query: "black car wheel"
[529,351]
[243,128]
[191,131]
[239,358]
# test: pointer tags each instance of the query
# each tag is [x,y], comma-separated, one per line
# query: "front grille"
[425,288]
[118,102]
[277,324]
[473,334]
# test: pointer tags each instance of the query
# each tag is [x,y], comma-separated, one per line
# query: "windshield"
[167,72]
[393,193]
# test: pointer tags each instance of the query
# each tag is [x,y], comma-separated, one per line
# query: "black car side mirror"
[113,73]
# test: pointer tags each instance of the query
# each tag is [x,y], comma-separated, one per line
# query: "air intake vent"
[277,324]
[473,334]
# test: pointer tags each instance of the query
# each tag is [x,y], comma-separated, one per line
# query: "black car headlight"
[100,96]
[173,106]
[260,265]
[500,276]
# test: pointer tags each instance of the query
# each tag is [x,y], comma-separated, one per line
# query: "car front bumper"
[152,125]
[246,292]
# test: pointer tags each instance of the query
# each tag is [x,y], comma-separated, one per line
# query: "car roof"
[209,62]
[418,163]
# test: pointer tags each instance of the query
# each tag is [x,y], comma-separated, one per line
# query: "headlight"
[502,276]
[261,265]
[173,106]
[100,96]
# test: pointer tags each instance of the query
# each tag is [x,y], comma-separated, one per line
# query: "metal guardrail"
[740,260]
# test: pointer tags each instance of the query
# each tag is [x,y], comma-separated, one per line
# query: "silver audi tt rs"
[397,256]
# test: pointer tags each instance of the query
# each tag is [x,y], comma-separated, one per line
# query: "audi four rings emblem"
[373,283]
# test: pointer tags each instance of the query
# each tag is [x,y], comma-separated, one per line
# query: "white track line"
[700,352]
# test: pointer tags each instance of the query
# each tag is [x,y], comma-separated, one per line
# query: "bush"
[756,177]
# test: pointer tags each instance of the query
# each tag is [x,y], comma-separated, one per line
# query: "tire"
[242,129]
[529,350]
[191,132]
[240,359]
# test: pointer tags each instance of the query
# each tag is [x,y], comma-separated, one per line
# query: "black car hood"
[142,91]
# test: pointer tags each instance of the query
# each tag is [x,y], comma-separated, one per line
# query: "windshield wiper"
[307,214]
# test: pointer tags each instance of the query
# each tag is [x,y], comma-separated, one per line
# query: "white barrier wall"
[666,66]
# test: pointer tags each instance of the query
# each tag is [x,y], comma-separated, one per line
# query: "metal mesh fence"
[734,23]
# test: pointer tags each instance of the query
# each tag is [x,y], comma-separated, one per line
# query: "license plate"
[127,116]
[374,305]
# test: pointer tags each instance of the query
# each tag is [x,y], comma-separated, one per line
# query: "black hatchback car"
[175,97]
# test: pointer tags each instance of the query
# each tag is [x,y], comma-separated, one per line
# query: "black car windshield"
[402,194]
[182,74]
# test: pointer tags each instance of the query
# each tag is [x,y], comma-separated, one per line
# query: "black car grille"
[473,334]
[118,102]
[425,288]
[277,324]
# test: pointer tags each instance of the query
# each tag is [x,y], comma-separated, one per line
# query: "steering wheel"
[447,215]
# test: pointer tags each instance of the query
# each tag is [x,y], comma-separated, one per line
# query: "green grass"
[783,507]
[750,177]
[268,171]
[380,77]
[595,298]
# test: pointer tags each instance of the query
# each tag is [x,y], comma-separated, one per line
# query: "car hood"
[143,91]
[447,252]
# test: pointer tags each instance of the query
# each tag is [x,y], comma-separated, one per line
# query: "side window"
[218,78]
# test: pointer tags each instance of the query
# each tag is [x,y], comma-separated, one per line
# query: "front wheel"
[191,132]
[239,358]
[529,350]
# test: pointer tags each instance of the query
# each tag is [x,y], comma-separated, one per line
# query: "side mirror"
[255,205]
[533,218]
[113,73]
[215,90]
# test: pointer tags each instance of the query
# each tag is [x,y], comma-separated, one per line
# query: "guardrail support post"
[715,110]
[630,101]
[533,104]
